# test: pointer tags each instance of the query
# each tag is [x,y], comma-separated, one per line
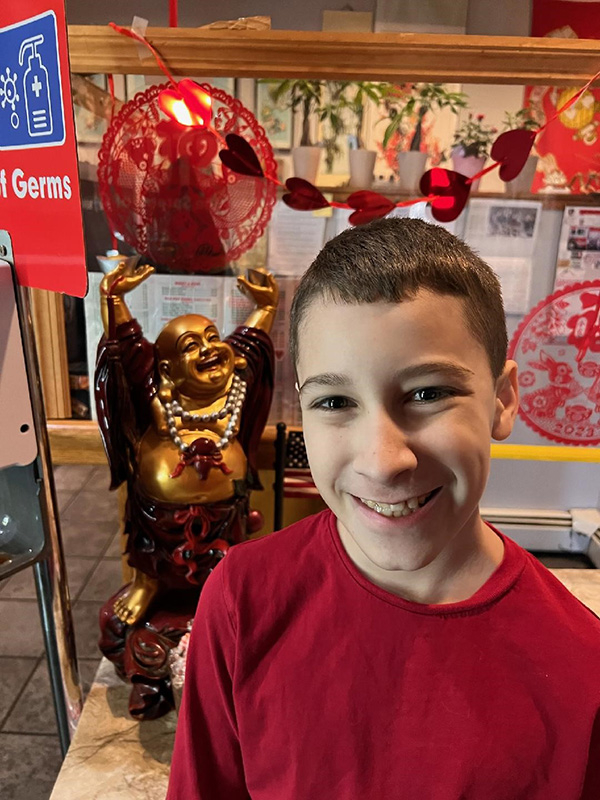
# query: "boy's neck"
[456,574]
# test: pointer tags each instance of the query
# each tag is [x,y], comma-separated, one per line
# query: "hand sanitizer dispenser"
[36,89]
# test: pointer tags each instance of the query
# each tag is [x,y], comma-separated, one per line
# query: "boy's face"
[398,408]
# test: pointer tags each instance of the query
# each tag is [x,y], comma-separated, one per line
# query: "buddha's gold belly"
[158,457]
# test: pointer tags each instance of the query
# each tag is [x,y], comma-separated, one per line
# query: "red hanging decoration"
[511,150]
[173,9]
[303,196]
[165,191]
[368,205]
[240,157]
[447,191]
[188,104]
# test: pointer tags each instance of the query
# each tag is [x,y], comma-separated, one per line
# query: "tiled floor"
[29,751]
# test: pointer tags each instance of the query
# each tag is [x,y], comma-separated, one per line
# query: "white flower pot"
[468,165]
[522,183]
[362,164]
[306,163]
[411,166]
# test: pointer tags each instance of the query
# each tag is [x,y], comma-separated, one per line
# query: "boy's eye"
[430,394]
[335,403]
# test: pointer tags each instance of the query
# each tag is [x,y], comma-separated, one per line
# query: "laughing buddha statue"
[181,421]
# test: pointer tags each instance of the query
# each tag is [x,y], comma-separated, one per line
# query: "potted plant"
[471,146]
[524,119]
[330,115]
[355,98]
[408,107]
[306,96]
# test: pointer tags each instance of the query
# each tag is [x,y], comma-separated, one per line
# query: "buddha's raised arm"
[122,279]
[261,287]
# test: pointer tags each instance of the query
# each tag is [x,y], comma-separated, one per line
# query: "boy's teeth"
[395,509]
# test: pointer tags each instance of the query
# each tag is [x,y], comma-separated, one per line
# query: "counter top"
[112,757]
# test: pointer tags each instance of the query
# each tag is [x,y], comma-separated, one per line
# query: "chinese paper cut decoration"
[557,347]
[166,192]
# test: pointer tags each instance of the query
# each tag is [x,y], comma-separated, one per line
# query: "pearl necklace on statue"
[233,406]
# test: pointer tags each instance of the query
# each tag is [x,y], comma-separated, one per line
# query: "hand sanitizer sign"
[36,89]
[31,109]
[39,185]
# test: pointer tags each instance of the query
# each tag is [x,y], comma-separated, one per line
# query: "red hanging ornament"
[166,192]
[368,205]
[188,104]
[303,196]
[240,157]
[447,191]
[511,150]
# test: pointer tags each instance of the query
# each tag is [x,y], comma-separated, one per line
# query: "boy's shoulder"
[546,595]
[289,548]
[263,576]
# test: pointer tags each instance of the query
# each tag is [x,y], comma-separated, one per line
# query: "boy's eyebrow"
[447,368]
[326,379]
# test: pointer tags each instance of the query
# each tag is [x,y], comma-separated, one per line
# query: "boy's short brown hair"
[390,260]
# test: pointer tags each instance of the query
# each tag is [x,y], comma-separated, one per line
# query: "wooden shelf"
[395,57]
[549,200]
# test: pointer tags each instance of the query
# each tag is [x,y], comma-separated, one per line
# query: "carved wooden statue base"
[140,651]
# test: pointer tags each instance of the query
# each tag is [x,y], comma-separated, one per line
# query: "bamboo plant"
[418,100]
[298,94]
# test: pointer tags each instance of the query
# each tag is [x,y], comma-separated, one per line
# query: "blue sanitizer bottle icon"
[36,89]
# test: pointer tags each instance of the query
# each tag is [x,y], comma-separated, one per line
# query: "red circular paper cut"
[556,347]
[166,192]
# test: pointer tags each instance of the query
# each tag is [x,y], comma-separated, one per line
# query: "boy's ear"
[507,402]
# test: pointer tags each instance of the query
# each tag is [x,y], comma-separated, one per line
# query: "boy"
[394,646]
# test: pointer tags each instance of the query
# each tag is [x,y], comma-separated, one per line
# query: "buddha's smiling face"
[194,358]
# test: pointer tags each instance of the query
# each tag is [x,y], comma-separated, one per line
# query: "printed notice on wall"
[579,246]
[295,238]
[505,234]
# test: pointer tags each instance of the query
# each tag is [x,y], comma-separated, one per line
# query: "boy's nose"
[382,449]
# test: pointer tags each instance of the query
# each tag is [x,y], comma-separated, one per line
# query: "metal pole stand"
[25,463]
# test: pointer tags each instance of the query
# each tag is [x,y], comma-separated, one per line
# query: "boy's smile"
[399,405]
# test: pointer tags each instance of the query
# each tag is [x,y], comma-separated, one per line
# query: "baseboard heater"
[574,531]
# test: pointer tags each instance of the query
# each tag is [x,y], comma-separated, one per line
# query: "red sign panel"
[39,184]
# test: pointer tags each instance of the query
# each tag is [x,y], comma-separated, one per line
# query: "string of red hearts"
[445,190]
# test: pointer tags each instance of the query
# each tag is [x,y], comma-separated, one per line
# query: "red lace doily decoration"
[556,347]
[165,191]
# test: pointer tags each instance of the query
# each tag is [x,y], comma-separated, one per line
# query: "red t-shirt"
[307,682]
